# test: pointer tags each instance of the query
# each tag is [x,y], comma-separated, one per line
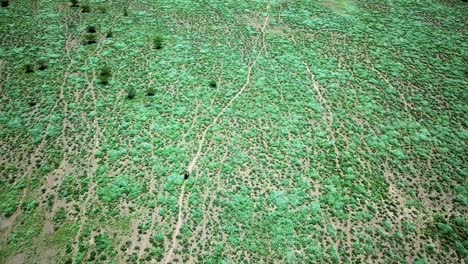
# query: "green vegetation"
[42,64]
[150,91]
[157,42]
[327,131]
[131,93]
[29,68]
[74,3]
[91,29]
[212,84]
[85,9]
[105,74]
[90,39]
[453,232]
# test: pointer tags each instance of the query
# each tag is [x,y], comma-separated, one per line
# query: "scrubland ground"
[313,131]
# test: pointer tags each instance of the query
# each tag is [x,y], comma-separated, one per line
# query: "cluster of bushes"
[453,231]
[91,35]
[105,72]
[131,92]
[40,65]
[113,189]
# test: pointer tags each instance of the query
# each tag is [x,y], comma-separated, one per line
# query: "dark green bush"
[90,39]
[105,74]
[5,3]
[42,64]
[109,34]
[131,93]
[213,84]
[85,9]
[74,3]
[150,91]
[29,68]
[10,211]
[157,42]
[91,29]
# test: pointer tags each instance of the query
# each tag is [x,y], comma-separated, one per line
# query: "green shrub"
[5,3]
[60,216]
[105,74]
[212,84]
[29,68]
[157,42]
[131,93]
[30,206]
[74,3]
[85,9]
[150,91]
[42,64]
[91,29]
[90,39]
[118,187]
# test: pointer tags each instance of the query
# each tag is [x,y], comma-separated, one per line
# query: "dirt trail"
[328,116]
[170,254]
[228,105]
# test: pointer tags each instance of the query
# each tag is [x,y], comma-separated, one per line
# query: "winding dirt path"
[170,254]
[228,105]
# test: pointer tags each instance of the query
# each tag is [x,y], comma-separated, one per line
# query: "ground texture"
[313,131]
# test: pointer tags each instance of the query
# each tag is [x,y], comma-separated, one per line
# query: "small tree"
[5,3]
[74,3]
[213,84]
